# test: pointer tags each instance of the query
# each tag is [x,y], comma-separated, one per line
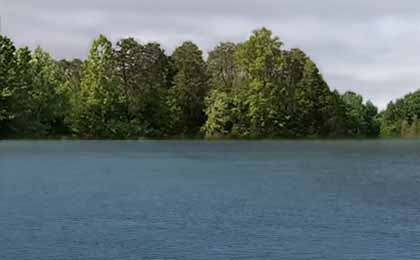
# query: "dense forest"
[253,89]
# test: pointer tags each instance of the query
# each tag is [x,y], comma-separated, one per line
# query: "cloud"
[368,46]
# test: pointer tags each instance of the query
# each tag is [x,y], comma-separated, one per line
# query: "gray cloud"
[368,46]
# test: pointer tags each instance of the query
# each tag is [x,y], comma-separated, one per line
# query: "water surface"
[196,200]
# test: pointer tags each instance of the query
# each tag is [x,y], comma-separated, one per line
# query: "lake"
[198,200]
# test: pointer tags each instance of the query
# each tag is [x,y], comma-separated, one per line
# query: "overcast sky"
[368,46]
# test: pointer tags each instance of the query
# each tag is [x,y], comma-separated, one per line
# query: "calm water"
[210,200]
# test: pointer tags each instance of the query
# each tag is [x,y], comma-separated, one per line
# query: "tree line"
[402,117]
[252,89]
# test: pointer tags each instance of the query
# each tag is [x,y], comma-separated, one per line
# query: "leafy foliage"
[8,80]
[260,90]
[189,90]
[253,89]
[31,98]
[145,74]
[401,118]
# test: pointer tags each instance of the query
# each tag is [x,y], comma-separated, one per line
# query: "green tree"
[99,109]
[71,73]
[270,92]
[259,62]
[251,89]
[313,96]
[31,94]
[220,103]
[400,116]
[145,75]
[221,66]
[291,74]
[361,117]
[47,98]
[7,82]
[187,96]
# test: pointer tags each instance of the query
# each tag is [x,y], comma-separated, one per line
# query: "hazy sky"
[369,46]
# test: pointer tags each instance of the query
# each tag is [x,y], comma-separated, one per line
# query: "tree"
[221,115]
[190,89]
[7,82]
[291,74]
[313,96]
[269,92]
[126,57]
[251,89]
[99,109]
[400,116]
[145,75]
[360,117]
[259,61]
[220,103]
[71,73]
[30,96]
[221,66]
[47,99]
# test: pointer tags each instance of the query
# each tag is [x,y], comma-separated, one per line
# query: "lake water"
[194,200]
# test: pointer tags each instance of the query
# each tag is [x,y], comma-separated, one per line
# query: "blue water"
[198,200]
